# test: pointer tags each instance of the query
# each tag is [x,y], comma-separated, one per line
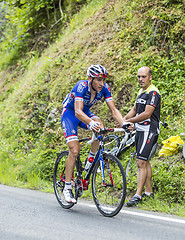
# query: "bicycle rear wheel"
[111,144]
[154,148]
[109,197]
[59,179]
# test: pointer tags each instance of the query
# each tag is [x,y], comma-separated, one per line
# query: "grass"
[158,205]
[117,34]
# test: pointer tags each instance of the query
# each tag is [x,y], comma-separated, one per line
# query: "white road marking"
[139,214]
[176,220]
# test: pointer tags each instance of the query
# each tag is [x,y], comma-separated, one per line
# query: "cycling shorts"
[70,123]
[144,142]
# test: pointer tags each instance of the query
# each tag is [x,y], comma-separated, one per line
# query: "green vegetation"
[41,58]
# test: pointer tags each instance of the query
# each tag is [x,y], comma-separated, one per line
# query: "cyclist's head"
[144,77]
[96,71]
[147,70]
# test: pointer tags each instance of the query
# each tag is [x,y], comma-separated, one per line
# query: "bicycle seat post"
[79,167]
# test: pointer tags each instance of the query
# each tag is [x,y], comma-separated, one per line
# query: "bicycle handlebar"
[103,131]
[106,130]
[92,139]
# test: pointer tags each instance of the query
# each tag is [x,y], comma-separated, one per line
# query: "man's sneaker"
[68,195]
[144,196]
[133,201]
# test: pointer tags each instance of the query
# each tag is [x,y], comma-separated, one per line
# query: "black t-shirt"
[150,97]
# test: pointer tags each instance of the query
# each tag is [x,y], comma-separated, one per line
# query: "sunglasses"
[102,75]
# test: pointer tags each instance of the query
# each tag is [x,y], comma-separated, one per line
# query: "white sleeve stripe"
[108,99]
[79,99]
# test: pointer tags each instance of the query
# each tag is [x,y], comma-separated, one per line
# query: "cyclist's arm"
[79,113]
[142,116]
[115,112]
[131,113]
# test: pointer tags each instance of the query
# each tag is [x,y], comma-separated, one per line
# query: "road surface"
[31,215]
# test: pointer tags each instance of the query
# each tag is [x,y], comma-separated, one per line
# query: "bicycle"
[117,145]
[108,178]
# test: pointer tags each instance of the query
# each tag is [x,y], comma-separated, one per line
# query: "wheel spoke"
[59,179]
[110,198]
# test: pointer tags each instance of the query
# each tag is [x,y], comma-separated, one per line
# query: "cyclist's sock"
[67,186]
[148,193]
[91,155]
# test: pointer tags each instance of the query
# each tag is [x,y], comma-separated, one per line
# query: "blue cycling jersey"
[81,92]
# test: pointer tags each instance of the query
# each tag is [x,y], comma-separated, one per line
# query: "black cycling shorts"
[144,142]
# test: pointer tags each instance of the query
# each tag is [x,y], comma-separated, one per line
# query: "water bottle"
[88,163]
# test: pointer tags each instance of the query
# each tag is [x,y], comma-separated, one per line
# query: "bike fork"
[102,169]
[109,171]
[103,172]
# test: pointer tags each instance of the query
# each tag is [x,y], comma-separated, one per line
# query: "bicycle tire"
[154,148]
[111,144]
[131,164]
[109,198]
[58,184]
[131,168]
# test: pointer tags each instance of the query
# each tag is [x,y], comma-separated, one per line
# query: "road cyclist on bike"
[76,112]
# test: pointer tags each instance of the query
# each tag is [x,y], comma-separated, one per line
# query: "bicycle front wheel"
[109,197]
[59,179]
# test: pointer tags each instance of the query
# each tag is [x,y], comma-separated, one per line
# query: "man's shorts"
[70,123]
[144,142]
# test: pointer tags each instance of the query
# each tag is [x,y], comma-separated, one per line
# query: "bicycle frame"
[85,180]
[97,157]
[126,142]
[108,179]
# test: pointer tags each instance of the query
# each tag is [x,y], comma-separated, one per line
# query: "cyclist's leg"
[141,177]
[69,124]
[140,141]
[148,182]
[144,144]
[74,149]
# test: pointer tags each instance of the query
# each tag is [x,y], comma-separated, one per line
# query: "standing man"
[146,116]
[76,112]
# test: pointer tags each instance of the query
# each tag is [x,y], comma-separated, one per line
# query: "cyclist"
[146,116]
[76,112]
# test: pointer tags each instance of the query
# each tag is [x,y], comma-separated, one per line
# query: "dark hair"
[150,72]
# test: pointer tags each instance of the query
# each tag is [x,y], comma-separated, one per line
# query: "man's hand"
[128,126]
[94,126]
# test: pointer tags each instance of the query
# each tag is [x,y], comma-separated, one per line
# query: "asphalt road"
[31,215]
